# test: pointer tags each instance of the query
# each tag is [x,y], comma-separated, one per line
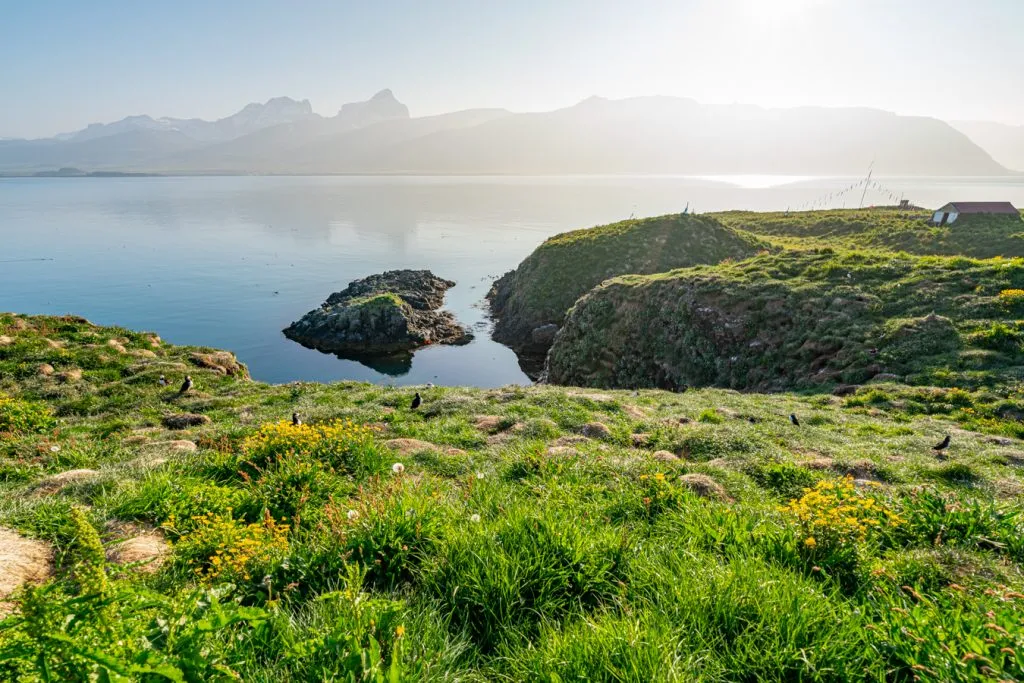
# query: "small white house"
[950,212]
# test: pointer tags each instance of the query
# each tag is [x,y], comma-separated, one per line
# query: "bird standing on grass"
[416,401]
[792,418]
[186,386]
[295,420]
[942,445]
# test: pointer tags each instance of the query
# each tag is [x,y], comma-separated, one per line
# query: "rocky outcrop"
[801,320]
[382,314]
[530,302]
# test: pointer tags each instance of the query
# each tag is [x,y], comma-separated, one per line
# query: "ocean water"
[230,261]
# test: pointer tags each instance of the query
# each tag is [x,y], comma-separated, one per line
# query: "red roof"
[982,207]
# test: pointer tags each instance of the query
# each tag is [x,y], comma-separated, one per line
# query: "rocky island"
[392,312]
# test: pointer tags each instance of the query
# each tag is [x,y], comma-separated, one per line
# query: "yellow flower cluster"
[281,438]
[835,512]
[1012,295]
[237,548]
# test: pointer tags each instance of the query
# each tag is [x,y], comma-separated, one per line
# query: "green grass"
[493,558]
[885,229]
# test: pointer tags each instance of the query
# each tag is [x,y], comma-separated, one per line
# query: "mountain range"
[645,135]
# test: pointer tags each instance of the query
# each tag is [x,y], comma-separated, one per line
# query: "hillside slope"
[524,533]
[797,320]
[564,267]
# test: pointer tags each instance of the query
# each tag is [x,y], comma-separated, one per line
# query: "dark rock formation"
[381,314]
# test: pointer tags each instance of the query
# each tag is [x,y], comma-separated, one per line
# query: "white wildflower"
[353,514]
[479,475]
[54,449]
[474,518]
[398,468]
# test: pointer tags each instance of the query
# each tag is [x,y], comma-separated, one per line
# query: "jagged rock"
[221,361]
[5,340]
[382,314]
[22,560]
[596,430]
[184,421]
[544,335]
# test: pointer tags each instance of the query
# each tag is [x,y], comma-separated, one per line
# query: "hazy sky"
[67,63]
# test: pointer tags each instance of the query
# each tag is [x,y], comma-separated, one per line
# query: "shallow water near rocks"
[229,262]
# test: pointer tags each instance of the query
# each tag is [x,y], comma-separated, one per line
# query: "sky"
[68,63]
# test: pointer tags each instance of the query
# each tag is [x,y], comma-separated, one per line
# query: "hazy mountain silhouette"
[1004,142]
[657,135]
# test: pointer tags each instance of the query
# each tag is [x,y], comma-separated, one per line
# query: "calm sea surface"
[229,262]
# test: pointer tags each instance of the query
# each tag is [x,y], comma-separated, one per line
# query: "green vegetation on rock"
[523,533]
[545,285]
[799,320]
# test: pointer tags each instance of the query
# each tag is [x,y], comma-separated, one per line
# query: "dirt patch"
[665,456]
[640,440]
[407,446]
[69,376]
[634,412]
[22,560]
[570,440]
[53,484]
[136,544]
[596,430]
[5,340]
[45,370]
[563,451]
[184,421]
[705,487]
[178,445]
[488,423]
[117,346]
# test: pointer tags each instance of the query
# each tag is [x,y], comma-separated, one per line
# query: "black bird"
[163,381]
[942,445]
[186,386]
[416,401]
[295,420]
[792,418]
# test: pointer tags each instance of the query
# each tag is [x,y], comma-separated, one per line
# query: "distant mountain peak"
[380,107]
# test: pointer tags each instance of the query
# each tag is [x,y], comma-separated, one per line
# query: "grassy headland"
[566,266]
[540,533]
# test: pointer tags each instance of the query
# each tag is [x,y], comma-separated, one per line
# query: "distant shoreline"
[414,174]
